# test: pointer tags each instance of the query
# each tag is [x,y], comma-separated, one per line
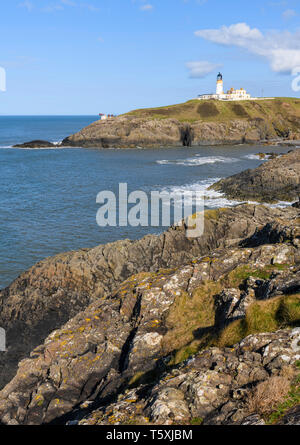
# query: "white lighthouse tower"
[220,89]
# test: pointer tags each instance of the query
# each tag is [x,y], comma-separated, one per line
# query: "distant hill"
[196,123]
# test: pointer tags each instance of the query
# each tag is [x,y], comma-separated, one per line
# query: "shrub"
[268,394]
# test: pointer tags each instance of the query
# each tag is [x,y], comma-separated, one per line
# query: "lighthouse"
[219,89]
[232,94]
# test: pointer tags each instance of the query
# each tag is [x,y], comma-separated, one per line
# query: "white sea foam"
[57,142]
[198,160]
[280,204]
[257,157]
[212,198]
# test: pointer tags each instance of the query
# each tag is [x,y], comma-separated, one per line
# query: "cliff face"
[277,179]
[130,132]
[141,320]
[195,123]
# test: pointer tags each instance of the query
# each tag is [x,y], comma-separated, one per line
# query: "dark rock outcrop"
[36,144]
[275,180]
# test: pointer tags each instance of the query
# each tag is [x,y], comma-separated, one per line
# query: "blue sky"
[91,56]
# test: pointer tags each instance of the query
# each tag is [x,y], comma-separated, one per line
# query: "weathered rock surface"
[130,132]
[275,180]
[129,334]
[56,289]
[210,389]
[36,144]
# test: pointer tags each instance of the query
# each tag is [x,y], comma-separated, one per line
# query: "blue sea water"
[18,129]
[48,196]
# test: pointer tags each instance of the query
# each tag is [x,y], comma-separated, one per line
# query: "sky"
[83,57]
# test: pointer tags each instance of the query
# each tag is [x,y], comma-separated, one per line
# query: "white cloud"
[52,8]
[280,48]
[147,7]
[289,14]
[68,3]
[239,34]
[90,7]
[27,4]
[201,68]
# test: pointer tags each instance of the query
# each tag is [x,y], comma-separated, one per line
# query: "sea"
[48,196]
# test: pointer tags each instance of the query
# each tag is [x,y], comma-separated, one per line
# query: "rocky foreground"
[164,330]
[275,180]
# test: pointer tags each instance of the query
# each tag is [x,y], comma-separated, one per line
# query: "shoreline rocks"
[196,123]
[36,144]
[100,320]
[275,180]
[131,132]
[56,289]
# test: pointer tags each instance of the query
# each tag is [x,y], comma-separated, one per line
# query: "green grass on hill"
[262,316]
[217,111]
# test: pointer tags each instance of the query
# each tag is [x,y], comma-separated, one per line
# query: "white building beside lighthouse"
[231,94]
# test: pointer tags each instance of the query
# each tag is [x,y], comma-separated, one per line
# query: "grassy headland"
[219,111]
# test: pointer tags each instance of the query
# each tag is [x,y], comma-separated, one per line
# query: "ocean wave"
[198,160]
[196,192]
[253,158]
[256,157]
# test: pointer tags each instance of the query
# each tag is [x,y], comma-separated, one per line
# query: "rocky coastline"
[193,123]
[167,329]
[273,181]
